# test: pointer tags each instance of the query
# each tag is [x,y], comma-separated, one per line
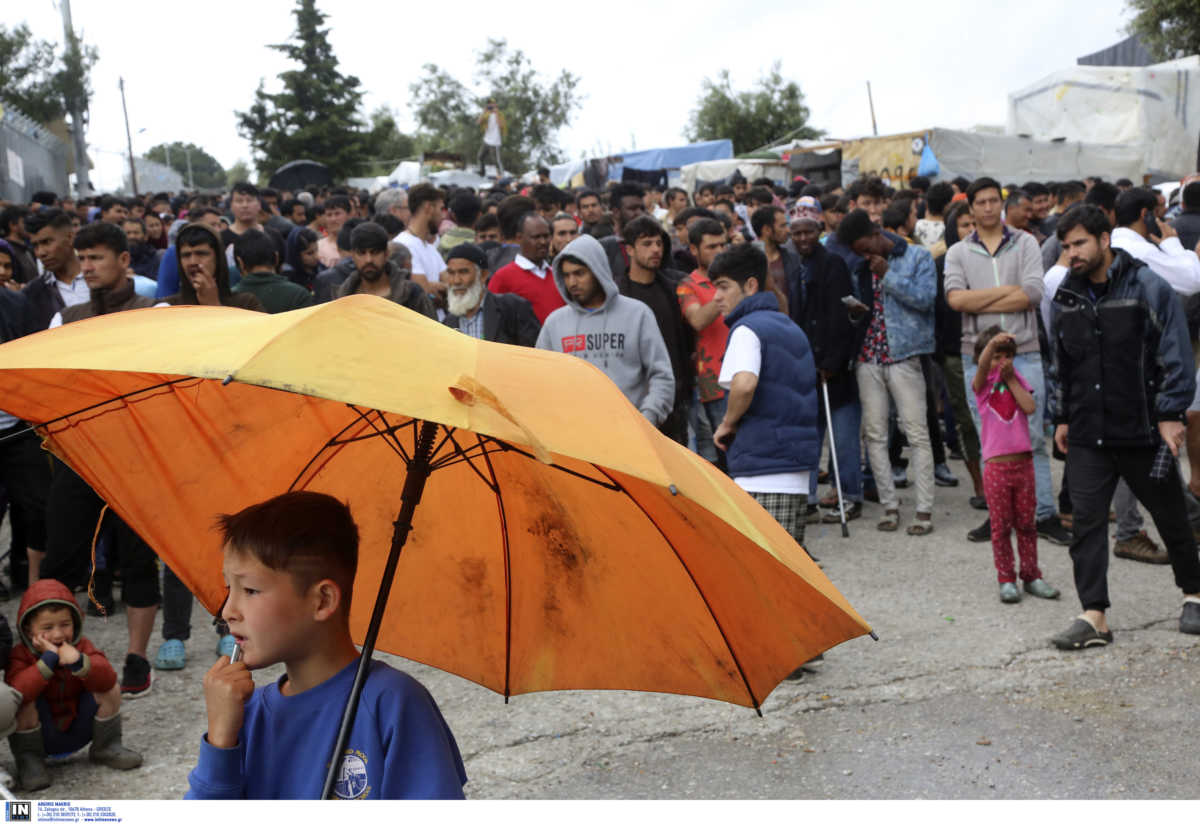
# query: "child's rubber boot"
[106,746]
[30,753]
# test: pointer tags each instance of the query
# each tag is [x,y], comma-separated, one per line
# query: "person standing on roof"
[494,127]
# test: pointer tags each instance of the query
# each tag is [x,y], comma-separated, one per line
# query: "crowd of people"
[763,326]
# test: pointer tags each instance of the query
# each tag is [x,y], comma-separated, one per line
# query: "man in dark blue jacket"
[1124,386]
[769,431]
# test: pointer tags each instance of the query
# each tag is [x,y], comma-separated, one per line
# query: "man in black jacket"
[1188,222]
[816,288]
[1124,385]
[62,283]
[473,310]
[646,244]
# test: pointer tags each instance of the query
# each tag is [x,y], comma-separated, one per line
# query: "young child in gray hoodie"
[616,334]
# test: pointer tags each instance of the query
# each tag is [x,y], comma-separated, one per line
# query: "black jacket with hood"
[1124,360]
[187,294]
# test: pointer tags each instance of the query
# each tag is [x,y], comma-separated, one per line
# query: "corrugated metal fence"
[31,159]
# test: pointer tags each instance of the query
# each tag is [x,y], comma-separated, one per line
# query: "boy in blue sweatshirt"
[289,566]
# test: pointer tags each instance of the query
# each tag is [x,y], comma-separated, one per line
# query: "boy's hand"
[42,643]
[67,654]
[227,688]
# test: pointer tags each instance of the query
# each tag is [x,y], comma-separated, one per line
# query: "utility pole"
[128,138]
[83,186]
[871,102]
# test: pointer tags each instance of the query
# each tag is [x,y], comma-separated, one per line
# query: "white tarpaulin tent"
[1156,108]
[1017,159]
[693,174]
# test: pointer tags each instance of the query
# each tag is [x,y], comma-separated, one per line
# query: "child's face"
[269,618]
[56,625]
[1001,360]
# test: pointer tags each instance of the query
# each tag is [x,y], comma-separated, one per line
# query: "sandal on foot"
[920,527]
[890,522]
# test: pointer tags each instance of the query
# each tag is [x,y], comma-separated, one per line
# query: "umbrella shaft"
[414,486]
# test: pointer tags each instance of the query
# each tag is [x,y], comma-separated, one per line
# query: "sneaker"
[853,509]
[899,477]
[171,655]
[225,645]
[1189,619]
[1053,531]
[978,502]
[1009,594]
[1141,547]
[135,680]
[942,476]
[1081,635]
[981,533]
[1040,589]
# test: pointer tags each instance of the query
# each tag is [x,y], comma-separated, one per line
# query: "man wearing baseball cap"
[474,311]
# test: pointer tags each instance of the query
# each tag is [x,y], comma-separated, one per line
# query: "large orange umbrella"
[561,542]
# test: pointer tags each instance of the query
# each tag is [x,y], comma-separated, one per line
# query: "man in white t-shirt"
[493,126]
[420,238]
[769,431]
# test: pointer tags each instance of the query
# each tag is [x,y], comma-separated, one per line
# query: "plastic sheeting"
[1010,158]
[713,170]
[1156,108]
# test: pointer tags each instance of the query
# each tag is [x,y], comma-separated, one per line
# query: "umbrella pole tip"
[874,637]
[673,490]
[228,380]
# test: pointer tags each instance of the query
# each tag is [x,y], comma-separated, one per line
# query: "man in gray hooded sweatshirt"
[616,334]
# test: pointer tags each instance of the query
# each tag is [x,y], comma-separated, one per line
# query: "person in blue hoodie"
[616,334]
[289,565]
[769,432]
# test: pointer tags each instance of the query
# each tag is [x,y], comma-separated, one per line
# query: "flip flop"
[920,527]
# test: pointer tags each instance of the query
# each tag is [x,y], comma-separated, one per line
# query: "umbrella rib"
[332,443]
[460,455]
[394,443]
[699,591]
[495,485]
[105,402]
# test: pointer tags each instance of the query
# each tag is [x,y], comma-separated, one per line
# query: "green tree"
[385,144]
[447,110]
[316,115]
[772,111]
[238,171]
[38,81]
[1168,28]
[207,172]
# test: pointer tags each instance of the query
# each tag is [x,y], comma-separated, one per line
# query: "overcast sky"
[188,66]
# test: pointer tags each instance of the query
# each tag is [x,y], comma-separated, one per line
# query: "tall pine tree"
[316,115]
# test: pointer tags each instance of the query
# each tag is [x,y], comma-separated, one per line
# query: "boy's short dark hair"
[1009,348]
[255,249]
[309,535]
[854,226]
[702,227]
[640,227]
[981,183]
[101,234]
[741,263]
[367,237]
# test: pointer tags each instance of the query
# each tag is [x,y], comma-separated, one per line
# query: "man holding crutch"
[817,303]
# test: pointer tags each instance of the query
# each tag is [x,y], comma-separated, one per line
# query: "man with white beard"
[474,311]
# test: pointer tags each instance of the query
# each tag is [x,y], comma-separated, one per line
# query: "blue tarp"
[674,157]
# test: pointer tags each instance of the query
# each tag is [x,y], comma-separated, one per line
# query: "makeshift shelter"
[1155,108]
[301,173]
[713,171]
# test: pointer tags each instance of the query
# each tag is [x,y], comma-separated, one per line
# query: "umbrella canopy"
[561,543]
[300,173]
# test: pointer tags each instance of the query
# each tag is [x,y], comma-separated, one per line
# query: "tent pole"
[414,485]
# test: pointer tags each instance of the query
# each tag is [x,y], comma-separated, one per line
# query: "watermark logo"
[18,811]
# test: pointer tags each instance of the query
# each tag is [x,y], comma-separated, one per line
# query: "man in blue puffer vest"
[769,432]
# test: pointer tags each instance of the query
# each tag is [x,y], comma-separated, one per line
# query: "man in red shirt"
[707,239]
[530,275]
